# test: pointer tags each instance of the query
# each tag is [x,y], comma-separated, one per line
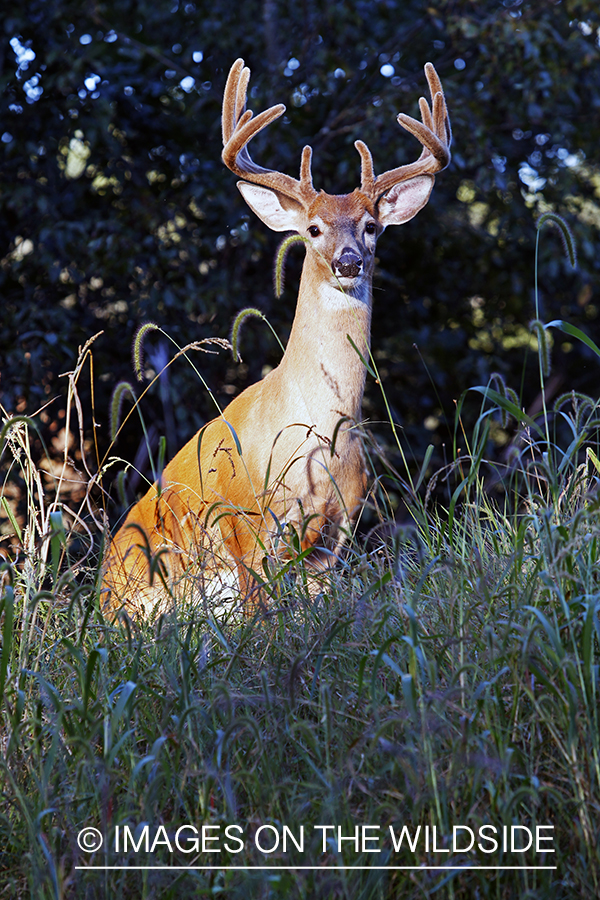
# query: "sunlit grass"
[446,675]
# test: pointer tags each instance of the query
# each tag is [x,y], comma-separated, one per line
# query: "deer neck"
[320,365]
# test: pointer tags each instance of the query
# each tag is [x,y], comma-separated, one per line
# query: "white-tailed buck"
[285,456]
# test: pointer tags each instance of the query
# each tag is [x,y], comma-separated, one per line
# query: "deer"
[285,457]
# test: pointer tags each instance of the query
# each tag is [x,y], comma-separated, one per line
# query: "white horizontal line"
[322,868]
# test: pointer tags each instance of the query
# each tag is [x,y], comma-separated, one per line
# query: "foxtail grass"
[445,675]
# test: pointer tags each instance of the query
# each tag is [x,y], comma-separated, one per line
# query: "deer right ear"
[278,211]
[404,200]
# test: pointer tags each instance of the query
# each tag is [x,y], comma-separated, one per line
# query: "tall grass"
[447,675]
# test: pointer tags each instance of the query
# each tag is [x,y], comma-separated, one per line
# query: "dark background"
[115,208]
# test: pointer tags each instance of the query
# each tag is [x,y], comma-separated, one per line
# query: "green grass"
[448,677]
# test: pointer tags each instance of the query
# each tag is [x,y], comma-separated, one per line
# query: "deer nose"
[348,264]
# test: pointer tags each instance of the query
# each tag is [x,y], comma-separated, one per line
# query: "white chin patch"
[346,282]
[344,292]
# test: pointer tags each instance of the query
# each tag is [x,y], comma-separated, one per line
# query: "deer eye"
[314,230]
[370,227]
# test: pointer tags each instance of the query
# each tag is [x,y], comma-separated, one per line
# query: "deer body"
[301,463]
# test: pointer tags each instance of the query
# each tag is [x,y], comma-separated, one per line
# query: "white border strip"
[321,868]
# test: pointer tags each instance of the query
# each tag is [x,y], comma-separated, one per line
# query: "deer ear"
[404,200]
[278,211]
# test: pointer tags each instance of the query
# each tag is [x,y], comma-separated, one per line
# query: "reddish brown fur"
[216,509]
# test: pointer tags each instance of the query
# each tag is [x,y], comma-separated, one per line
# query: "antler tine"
[240,126]
[305,173]
[433,80]
[230,113]
[242,93]
[441,120]
[367,172]
[433,132]
[436,145]
[435,88]
[426,113]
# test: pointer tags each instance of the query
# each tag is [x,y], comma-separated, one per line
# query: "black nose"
[349,264]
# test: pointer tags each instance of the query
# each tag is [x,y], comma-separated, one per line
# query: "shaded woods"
[115,208]
[447,674]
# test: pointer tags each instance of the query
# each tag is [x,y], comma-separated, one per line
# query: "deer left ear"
[278,211]
[404,200]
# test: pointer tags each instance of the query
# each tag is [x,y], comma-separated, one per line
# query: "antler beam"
[433,132]
[240,126]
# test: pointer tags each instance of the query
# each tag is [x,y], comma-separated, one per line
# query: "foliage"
[448,673]
[448,678]
[115,208]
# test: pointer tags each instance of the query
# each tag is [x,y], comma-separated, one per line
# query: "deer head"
[341,230]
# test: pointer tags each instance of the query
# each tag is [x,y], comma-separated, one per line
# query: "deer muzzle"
[348,265]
